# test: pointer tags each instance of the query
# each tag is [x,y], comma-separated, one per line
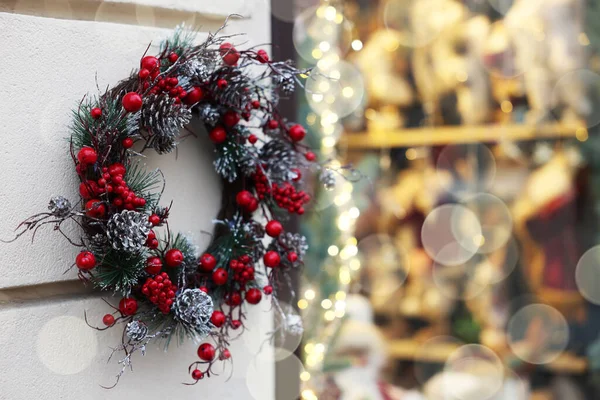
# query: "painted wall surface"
[54,52]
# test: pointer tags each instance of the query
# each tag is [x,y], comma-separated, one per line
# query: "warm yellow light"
[317,97]
[305,376]
[311,118]
[462,76]
[340,305]
[308,394]
[342,199]
[411,154]
[344,222]
[329,129]
[370,113]
[309,348]
[581,134]
[348,92]
[335,74]
[333,250]
[310,294]
[302,304]
[324,86]
[344,276]
[340,313]
[354,264]
[357,45]
[351,240]
[330,315]
[328,142]
[354,212]
[340,296]
[321,11]
[319,348]
[479,240]
[330,13]
[506,106]
[326,304]
[339,18]
[324,46]
[317,54]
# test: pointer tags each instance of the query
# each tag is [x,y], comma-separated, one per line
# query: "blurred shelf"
[431,136]
[408,349]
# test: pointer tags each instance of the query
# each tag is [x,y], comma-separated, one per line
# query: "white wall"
[51,53]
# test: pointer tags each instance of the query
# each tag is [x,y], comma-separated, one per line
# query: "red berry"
[255,104]
[88,189]
[174,258]
[298,174]
[153,265]
[193,96]
[233,299]
[262,56]
[253,296]
[127,143]
[225,354]
[292,257]
[271,259]
[272,124]
[132,102]
[108,320]
[96,112]
[150,63]
[206,352]
[219,276]
[144,73]
[253,206]
[235,324]
[128,306]
[154,219]
[218,134]
[229,53]
[116,169]
[218,318]
[207,262]
[274,228]
[197,374]
[85,260]
[268,289]
[297,132]
[173,57]
[204,289]
[231,118]
[95,208]
[87,156]
[310,156]
[244,198]
[252,139]
[222,83]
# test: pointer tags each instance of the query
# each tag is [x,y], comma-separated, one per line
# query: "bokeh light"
[335,91]
[430,352]
[587,275]
[538,333]
[66,354]
[571,92]
[495,220]
[451,234]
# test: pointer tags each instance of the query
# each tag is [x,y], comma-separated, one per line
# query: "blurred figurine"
[545,35]
[362,346]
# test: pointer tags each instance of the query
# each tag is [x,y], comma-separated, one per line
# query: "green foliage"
[145,184]
[181,39]
[228,156]
[119,271]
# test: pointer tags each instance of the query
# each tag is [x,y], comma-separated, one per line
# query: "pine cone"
[128,230]
[293,324]
[280,158]
[327,178]
[59,206]
[163,119]
[288,86]
[193,308]
[291,242]
[200,70]
[136,331]
[208,114]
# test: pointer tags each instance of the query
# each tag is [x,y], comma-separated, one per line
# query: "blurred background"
[455,256]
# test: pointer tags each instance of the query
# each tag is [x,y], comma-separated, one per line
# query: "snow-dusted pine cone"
[193,308]
[327,178]
[136,331]
[59,206]
[165,118]
[208,114]
[288,86]
[128,230]
[280,158]
[291,242]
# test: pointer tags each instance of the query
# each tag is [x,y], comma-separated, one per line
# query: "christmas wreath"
[165,288]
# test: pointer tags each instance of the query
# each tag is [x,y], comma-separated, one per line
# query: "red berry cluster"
[286,196]
[112,182]
[243,270]
[160,291]
[247,201]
